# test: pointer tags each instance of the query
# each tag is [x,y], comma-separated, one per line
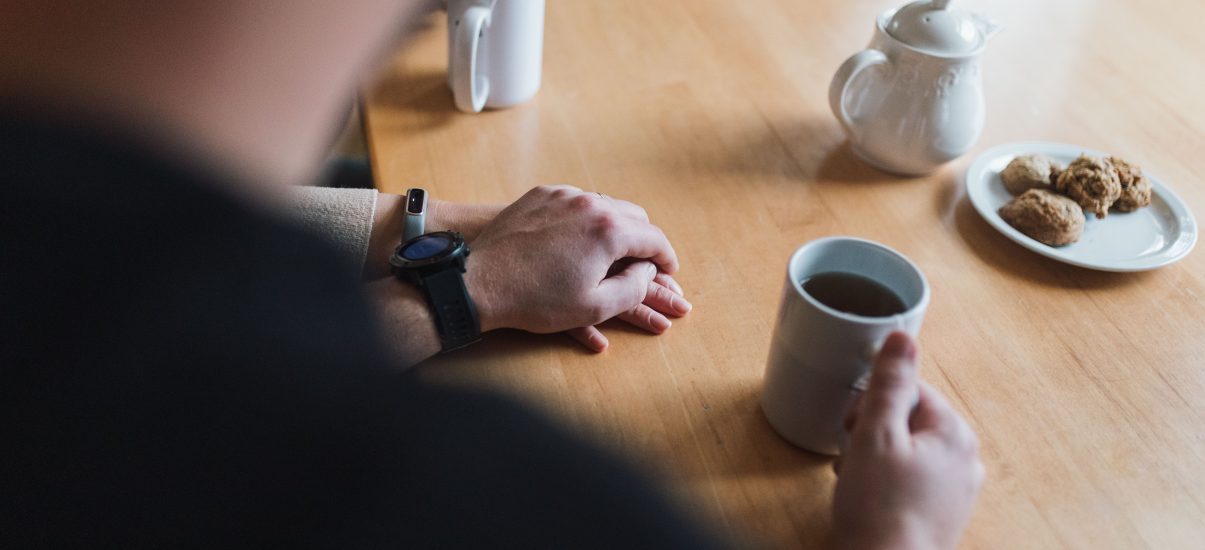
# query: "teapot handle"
[836,91]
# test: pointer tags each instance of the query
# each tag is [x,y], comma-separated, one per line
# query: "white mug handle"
[470,87]
[836,91]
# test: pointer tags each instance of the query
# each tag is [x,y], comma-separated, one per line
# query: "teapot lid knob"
[931,25]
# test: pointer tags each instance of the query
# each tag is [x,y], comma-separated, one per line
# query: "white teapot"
[913,100]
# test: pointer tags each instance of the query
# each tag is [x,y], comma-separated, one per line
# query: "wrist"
[481,291]
[467,219]
[407,320]
[436,264]
[389,224]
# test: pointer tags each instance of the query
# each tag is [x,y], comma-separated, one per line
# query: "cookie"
[1135,188]
[1027,172]
[1046,217]
[1092,182]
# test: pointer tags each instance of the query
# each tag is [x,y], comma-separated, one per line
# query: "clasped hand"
[561,259]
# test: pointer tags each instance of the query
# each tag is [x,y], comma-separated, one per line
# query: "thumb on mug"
[893,391]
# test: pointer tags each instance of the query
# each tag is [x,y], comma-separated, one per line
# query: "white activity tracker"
[416,213]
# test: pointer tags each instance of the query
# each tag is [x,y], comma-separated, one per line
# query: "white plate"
[1151,237]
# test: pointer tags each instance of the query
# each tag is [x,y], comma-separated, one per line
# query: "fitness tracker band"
[416,213]
[435,263]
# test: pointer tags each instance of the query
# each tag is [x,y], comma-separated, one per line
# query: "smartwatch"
[416,213]
[435,263]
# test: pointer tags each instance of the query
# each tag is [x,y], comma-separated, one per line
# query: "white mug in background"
[819,354]
[495,52]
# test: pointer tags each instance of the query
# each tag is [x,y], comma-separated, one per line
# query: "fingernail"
[661,323]
[651,268]
[598,342]
[674,286]
[899,345]
[680,305]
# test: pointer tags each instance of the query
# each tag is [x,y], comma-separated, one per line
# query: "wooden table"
[1087,388]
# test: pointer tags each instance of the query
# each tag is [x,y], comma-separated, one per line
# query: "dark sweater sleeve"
[181,369]
[492,473]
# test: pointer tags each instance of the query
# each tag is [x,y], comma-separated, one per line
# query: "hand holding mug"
[912,472]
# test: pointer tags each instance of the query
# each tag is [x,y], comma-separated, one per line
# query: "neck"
[249,88]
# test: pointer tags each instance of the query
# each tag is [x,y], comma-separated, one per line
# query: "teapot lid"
[931,26]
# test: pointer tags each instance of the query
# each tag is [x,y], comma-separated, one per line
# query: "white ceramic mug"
[818,354]
[495,52]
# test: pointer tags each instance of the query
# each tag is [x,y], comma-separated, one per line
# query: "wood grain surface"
[1087,388]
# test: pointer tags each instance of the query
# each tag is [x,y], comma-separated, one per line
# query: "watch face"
[426,247]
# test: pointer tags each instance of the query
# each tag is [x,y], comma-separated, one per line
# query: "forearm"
[404,312]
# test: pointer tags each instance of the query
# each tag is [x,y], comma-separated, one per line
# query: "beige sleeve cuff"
[342,216]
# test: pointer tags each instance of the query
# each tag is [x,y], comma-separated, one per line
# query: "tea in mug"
[851,293]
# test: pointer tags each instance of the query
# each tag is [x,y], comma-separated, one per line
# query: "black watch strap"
[455,315]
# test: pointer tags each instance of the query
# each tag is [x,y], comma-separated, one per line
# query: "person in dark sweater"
[180,365]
